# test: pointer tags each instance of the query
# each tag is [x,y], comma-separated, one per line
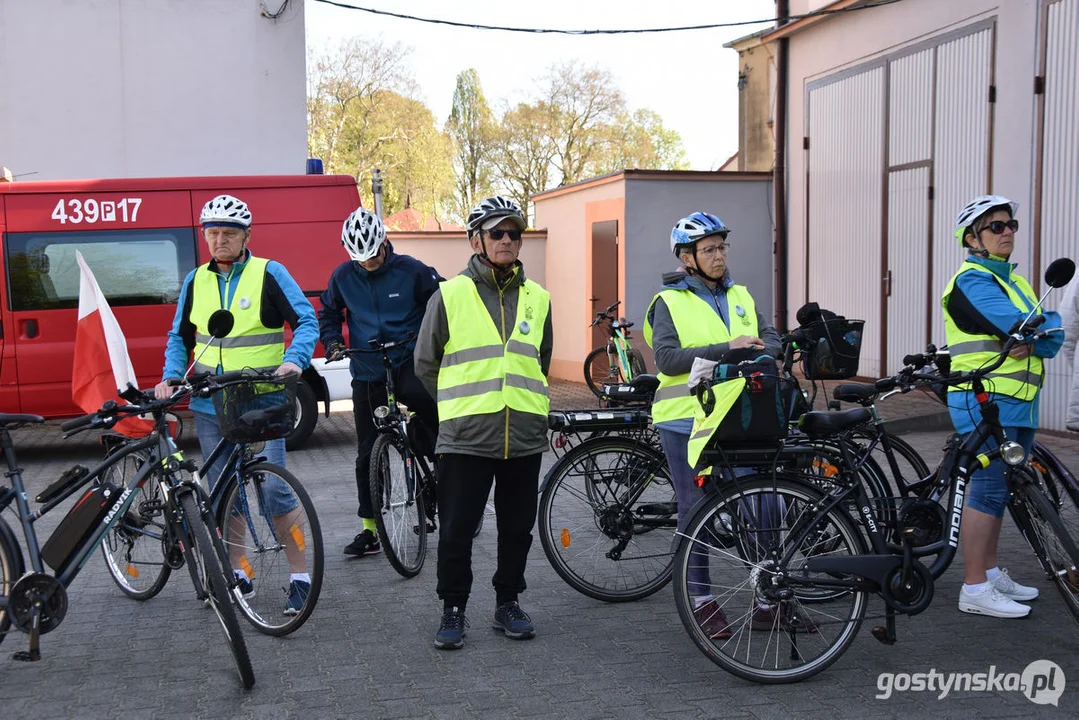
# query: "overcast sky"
[689,78]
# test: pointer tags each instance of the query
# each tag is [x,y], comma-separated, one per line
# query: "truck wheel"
[306,417]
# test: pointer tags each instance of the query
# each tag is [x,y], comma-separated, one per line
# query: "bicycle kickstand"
[34,653]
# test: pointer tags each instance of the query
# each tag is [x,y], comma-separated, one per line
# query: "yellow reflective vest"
[698,325]
[250,344]
[1016,378]
[481,373]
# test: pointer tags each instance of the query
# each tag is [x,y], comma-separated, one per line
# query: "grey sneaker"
[513,621]
[451,631]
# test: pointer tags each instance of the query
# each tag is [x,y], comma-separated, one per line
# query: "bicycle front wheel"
[1049,538]
[134,549]
[218,588]
[607,516]
[398,504]
[746,613]
[272,536]
[598,370]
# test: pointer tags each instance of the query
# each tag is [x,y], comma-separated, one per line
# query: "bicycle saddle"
[821,423]
[856,393]
[9,418]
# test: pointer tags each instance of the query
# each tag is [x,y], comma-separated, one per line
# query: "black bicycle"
[790,569]
[35,602]
[267,521]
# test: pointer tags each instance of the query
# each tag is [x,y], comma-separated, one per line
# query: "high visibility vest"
[704,426]
[1016,378]
[698,325]
[250,344]
[482,374]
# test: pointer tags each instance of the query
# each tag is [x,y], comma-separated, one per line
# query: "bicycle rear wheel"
[598,370]
[214,575]
[607,516]
[1052,543]
[271,532]
[745,613]
[134,549]
[398,504]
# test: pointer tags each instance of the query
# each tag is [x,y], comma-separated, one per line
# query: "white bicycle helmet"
[492,211]
[692,228]
[363,234]
[978,207]
[226,210]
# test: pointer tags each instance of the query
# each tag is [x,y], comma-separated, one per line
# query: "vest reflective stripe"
[480,374]
[726,394]
[250,344]
[698,325]
[1016,378]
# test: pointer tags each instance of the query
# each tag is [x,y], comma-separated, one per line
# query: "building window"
[132,267]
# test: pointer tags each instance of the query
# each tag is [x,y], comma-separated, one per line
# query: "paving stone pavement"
[367,651]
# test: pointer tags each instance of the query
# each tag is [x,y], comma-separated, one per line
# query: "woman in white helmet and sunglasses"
[381,296]
[981,303]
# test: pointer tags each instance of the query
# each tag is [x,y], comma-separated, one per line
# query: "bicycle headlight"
[382,412]
[1012,452]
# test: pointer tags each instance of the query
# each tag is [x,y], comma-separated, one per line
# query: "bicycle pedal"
[881,633]
[26,656]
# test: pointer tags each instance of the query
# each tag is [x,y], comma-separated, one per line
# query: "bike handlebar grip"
[233,375]
[918,361]
[885,384]
[79,422]
[174,382]
[1036,321]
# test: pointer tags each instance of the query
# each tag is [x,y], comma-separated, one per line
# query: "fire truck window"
[132,267]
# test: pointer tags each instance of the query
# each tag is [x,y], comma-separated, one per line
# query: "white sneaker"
[990,602]
[1011,589]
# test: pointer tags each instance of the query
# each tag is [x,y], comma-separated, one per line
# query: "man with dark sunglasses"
[981,303]
[484,351]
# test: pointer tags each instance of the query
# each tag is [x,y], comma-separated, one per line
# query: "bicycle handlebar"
[376,347]
[606,314]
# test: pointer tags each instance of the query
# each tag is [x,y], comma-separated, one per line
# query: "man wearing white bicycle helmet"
[981,303]
[484,351]
[262,297]
[380,295]
[699,313]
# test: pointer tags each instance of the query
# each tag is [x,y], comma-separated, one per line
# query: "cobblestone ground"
[367,652]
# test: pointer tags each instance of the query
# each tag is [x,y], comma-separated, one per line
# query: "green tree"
[639,140]
[524,150]
[584,100]
[472,129]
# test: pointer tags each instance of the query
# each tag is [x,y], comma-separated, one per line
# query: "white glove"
[701,370]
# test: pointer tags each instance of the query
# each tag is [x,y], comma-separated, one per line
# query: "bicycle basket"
[255,410]
[834,349]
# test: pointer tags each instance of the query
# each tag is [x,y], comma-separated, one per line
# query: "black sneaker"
[451,631]
[366,543]
[513,621]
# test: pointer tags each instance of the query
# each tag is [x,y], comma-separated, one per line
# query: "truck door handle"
[29,328]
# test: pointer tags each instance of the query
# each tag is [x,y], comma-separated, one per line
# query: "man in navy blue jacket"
[382,296]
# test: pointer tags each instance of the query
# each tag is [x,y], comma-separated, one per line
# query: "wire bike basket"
[834,349]
[257,408]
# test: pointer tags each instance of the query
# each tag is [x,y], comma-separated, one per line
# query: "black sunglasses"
[496,234]
[997,226]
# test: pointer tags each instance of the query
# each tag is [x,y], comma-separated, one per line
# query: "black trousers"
[464,483]
[368,395]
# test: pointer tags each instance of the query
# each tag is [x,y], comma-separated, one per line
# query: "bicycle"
[268,523]
[797,572]
[615,362]
[35,602]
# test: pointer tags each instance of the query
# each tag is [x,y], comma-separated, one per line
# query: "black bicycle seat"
[855,393]
[12,418]
[821,423]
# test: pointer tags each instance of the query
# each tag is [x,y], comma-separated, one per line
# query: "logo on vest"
[524,327]
[528,312]
[741,312]
[244,303]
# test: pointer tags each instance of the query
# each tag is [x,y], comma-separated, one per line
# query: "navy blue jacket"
[386,304]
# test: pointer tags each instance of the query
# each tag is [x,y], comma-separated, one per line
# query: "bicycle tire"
[136,544]
[637,365]
[908,460]
[1056,549]
[262,546]
[219,588]
[400,521]
[717,531]
[11,569]
[589,510]
[598,370]
[1064,490]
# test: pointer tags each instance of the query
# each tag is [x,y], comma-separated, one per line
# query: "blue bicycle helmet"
[692,228]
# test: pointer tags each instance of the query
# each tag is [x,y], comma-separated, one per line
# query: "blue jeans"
[988,491]
[280,499]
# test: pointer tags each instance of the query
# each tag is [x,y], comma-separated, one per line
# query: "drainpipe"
[376,190]
[779,172]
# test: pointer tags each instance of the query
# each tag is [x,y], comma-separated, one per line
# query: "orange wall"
[449,252]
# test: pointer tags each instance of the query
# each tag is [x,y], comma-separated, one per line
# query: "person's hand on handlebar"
[335,352]
[288,368]
[746,341]
[1021,352]
[163,391]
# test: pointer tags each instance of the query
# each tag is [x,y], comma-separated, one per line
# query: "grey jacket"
[504,434]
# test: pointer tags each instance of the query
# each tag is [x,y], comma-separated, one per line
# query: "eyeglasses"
[711,250]
[515,235]
[997,226]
